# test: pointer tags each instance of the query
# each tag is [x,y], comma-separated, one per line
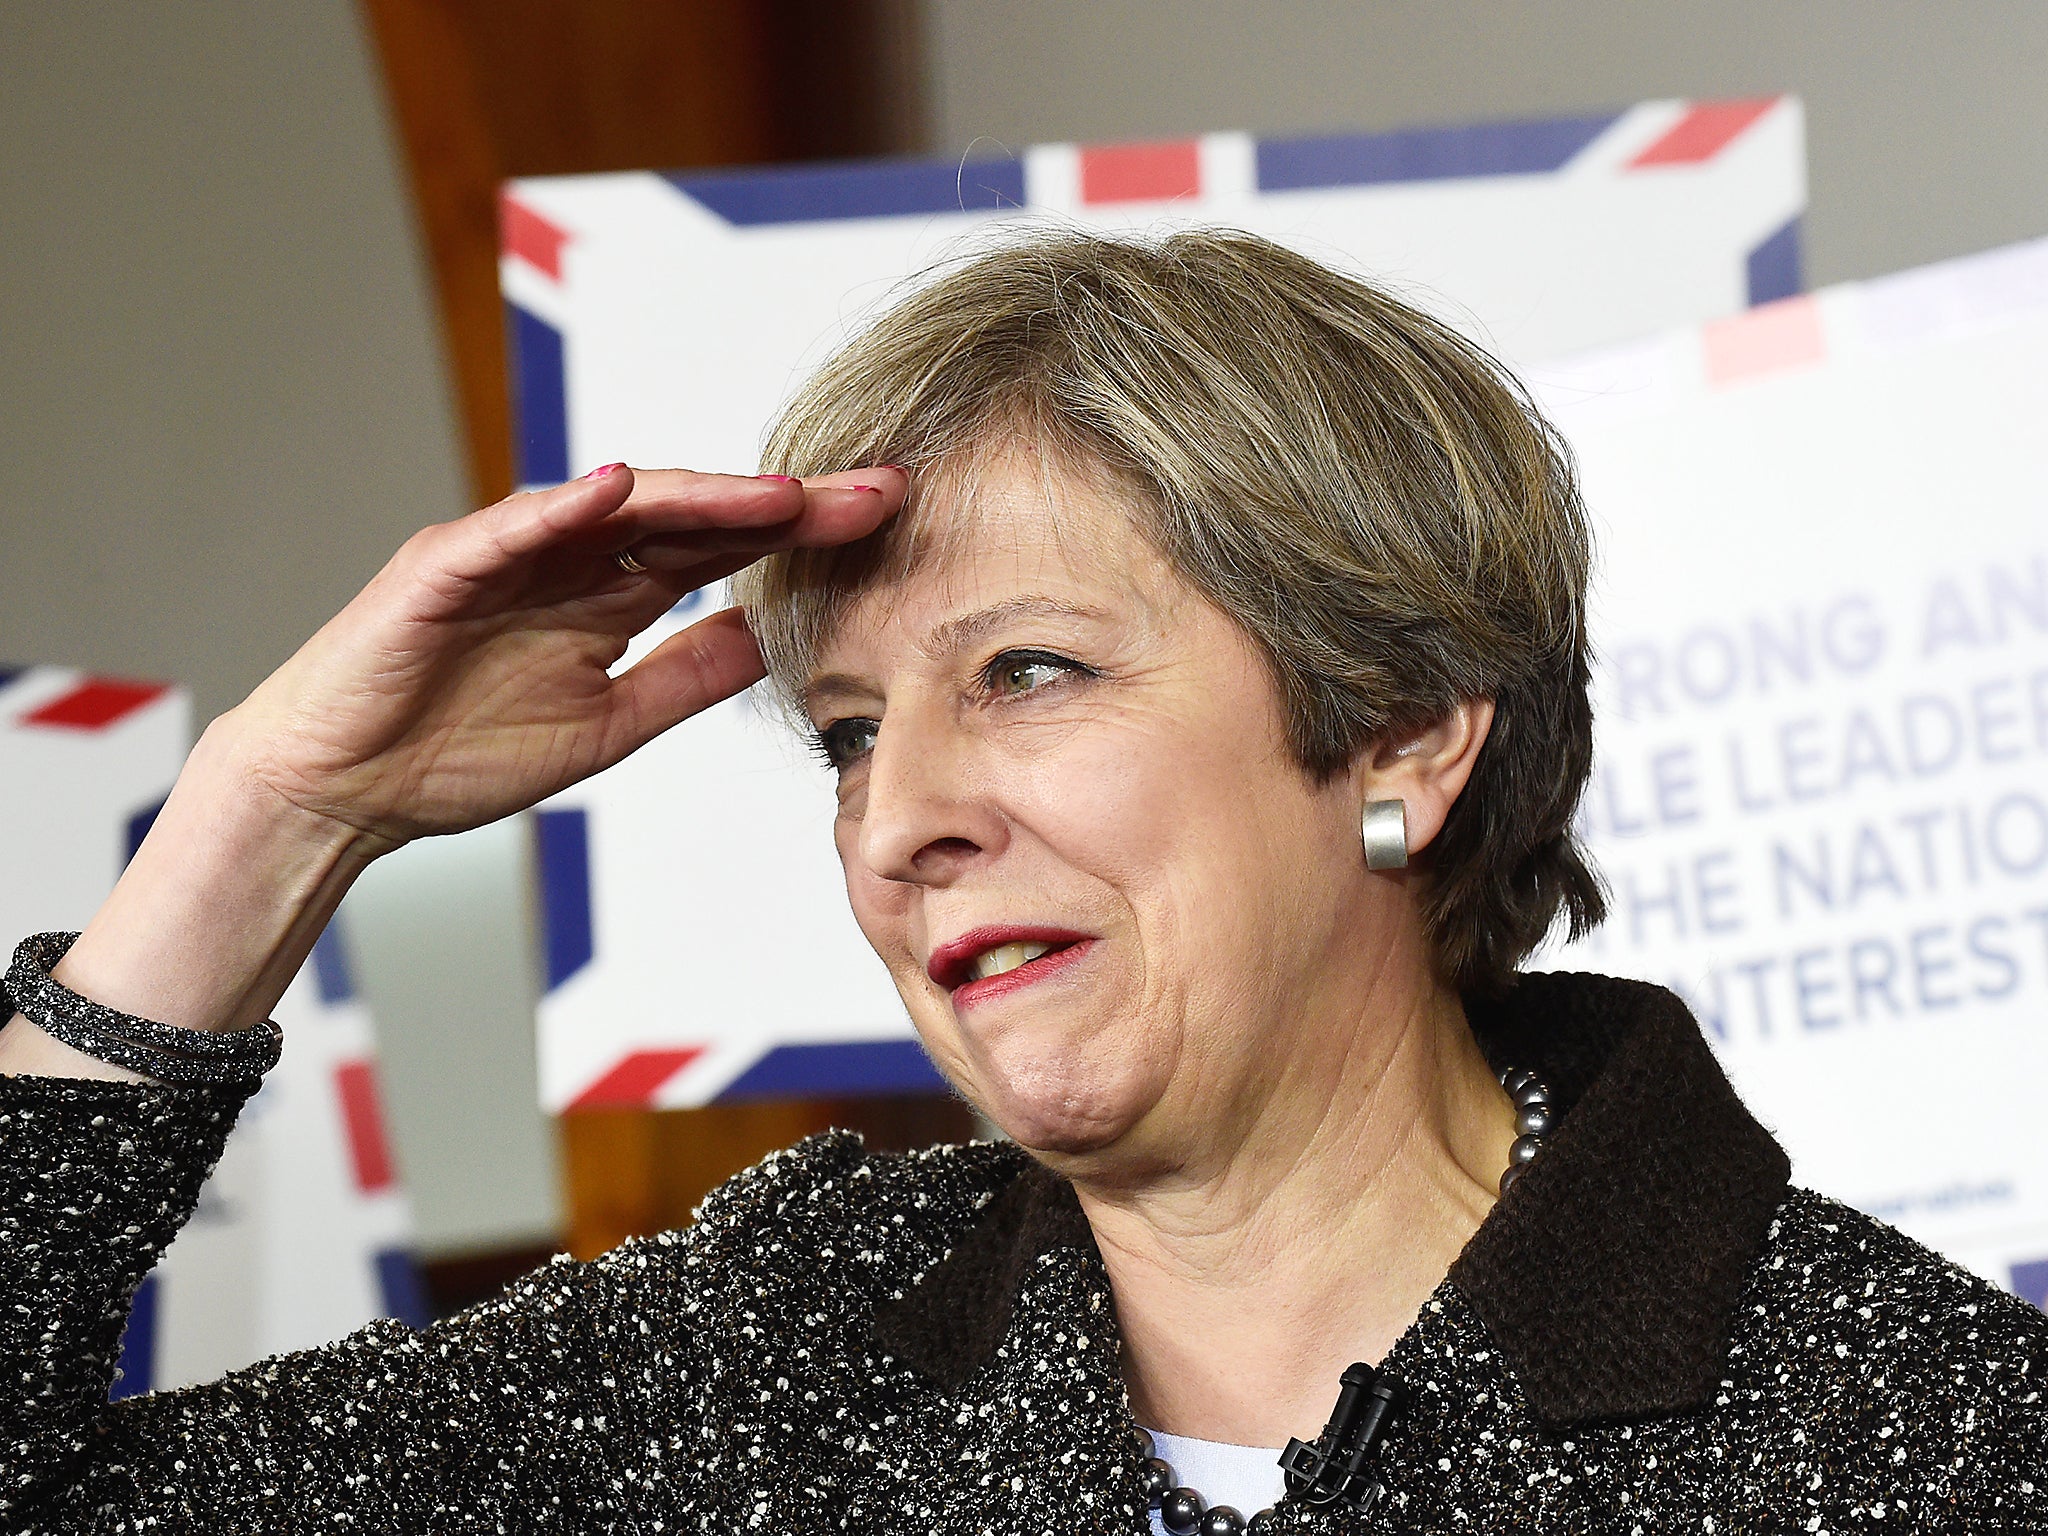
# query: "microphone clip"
[1332,1469]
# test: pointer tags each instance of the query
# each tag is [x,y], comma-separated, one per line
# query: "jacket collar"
[1609,1276]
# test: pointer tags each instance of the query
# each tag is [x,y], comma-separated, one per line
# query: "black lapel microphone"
[1332,1469]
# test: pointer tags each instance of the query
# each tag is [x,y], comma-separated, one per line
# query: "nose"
[927,813]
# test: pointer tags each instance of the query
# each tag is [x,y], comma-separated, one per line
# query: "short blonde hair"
[1368,494]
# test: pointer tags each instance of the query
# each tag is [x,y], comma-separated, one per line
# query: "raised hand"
[468,680]
[471,677]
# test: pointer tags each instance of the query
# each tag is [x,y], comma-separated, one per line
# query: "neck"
[1248,1274]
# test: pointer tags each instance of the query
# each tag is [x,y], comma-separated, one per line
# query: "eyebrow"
[958,634]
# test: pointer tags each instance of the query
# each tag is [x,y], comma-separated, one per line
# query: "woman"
[1200,559]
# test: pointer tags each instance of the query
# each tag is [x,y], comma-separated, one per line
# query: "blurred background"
[251,337]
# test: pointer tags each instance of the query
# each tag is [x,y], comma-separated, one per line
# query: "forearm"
[213,916]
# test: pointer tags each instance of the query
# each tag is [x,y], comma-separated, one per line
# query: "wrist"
[231,781]
[223,900]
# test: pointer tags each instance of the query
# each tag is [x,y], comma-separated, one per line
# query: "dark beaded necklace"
[1182,1510]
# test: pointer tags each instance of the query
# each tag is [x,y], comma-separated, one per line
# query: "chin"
[1065,1110]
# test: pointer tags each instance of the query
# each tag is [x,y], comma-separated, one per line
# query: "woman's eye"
[1016,672]
[844,741]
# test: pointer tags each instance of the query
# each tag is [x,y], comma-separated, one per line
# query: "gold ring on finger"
[628,562]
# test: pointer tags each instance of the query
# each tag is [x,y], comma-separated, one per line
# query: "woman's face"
[1071,826]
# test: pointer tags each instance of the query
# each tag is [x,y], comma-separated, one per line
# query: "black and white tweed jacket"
[1651,1333]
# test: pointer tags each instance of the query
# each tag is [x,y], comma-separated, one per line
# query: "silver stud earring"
[1386,834]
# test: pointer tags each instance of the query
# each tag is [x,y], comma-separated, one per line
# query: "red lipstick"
[951,964]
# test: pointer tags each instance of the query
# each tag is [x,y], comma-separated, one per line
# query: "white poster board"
[84,764]
[301,1234]
[661,320]
[1822,787]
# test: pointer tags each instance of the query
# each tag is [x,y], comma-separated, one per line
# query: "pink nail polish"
[785,479]
[875,488]
[602,470]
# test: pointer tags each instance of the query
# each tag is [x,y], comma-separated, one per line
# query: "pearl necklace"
[1182,1510]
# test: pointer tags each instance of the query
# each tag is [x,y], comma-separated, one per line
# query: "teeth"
[1005,957]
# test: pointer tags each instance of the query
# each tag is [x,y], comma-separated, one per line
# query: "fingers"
[683,501]
[675,519]
[529,521]
[686,674]
[452,557]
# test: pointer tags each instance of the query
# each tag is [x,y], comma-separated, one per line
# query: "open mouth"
[991,961]
[1011,977]
[1005,958]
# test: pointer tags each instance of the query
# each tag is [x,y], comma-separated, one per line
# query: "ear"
[1427,769]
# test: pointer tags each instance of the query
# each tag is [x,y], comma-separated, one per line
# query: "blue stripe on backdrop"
[2030,1281]
[857,190]
[540,411]
[137,1368]
[1425,154]
[561,841]
[398,1287]
[838,1067]
[332,970]
[139,825]
[1774,266]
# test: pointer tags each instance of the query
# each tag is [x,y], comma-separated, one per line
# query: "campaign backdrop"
[1821,797]
[84,764]
[301,1234]
[696,937]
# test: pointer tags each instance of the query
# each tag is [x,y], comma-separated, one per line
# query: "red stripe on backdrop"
[1771,338]
[96,704]
[530,237]
[635,1078]
[1140,173]
[362,1120]
[1702,133]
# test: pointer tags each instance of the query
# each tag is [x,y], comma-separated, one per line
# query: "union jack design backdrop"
[84,763]
[301,1234]
[1821,788]
[696,940]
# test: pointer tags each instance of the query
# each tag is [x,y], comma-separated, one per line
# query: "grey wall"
[221,407]
[223,404]
[1927,134]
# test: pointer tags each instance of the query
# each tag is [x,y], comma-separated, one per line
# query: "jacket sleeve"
[550,1407]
